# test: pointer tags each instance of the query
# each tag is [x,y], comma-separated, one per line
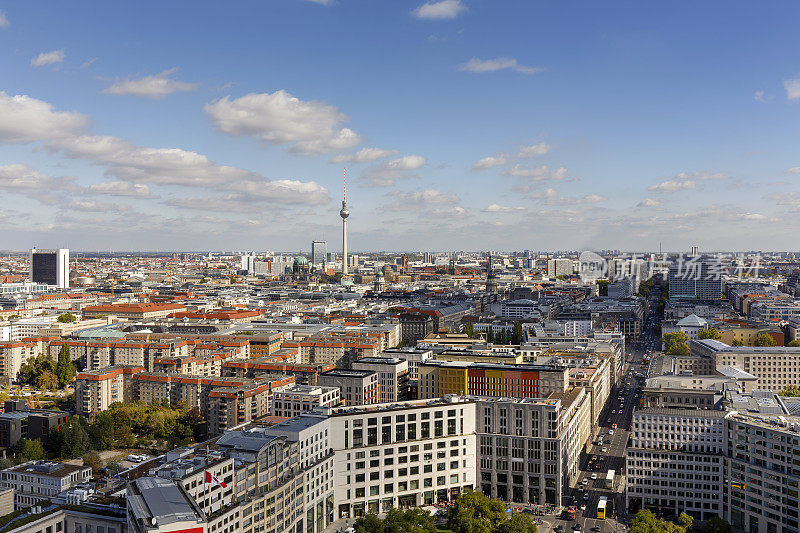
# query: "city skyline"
[463,125]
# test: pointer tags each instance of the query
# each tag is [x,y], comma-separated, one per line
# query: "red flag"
[213,479]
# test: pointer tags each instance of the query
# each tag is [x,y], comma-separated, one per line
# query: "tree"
[397,521]
[794,343]
[518,523]
[709,333]
[47,381]
[29,372]
[602,287]
[65,369]
[764,339]
[516,333]
[676,343]
[716,525]
[31,449]
[646,522]
[791,391]
[92,459]
[66,318]
[75,441]
[473,512]
[469,329]
[737,342]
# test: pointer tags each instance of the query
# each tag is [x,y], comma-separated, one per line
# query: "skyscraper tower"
[344,213]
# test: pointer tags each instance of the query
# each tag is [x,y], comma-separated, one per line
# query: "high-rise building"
[696,277]
[50,267]
[319,252]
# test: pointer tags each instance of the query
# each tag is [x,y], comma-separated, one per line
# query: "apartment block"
[357,387]
[441,378]
[775,367]
[299,399]
[529,448]
[393,376]
[96,390]
[675,462]
[402,455]
[36,481]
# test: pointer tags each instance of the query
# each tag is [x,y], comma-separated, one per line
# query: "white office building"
[50,267]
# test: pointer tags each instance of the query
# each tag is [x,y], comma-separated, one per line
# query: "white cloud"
[410,200]
[673,186]
[533,150]
[648,202]
[24,119]
[594,198]
[490,162]
[501,158]
[500,63]
[495,208]
[48,58]
[685,181]
[449,212]
[793,170]
[24,179]
[154,86]
[759,96]
[444,9]
[387,173]
[4,22]
[121,188]
[82,204]
[755,216]
[540,173]
[321,2]
[792,87]
[280,118]
[365,155]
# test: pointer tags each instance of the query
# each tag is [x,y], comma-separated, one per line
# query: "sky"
[462,124]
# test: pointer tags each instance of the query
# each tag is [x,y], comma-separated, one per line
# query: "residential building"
[96,390]
[393,376]
[298,399]
[442,378]
[37,481]
[357,387]
[402,455]
[530,448]
[675,462]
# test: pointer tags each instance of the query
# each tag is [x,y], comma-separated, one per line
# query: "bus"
[601,508]
[610,479]
[569,513]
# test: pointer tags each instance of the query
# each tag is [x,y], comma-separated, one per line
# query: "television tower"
[344,213]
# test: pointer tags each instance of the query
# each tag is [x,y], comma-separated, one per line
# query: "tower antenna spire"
[344,185]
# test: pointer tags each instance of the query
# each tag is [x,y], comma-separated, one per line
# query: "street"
[609,441]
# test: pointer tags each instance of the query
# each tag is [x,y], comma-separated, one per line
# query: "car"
[605,450]
[595,528]
[585,482]
[613,412]
[583,507]
[586,497]
[613,426]
[611,432]
[576,527]
[559,528]
[594,476]
[594,458]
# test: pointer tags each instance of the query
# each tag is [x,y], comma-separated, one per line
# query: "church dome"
[300,260]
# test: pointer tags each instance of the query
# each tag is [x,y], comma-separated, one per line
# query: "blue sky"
[464,124]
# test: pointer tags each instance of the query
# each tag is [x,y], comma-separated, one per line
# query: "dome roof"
[300,260]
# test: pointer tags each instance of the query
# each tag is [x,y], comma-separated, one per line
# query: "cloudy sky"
[463,124]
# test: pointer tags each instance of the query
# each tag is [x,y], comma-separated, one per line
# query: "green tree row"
[44,373]
[472,512]
[123,425]
[501,337]
[646,522]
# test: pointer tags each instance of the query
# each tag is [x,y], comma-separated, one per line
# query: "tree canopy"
[709,333]
[66,318]
[794,343]
[397,521]
[764,339]
[676,343]
[646,522]
[473,512]
[790,390]
[737,342]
